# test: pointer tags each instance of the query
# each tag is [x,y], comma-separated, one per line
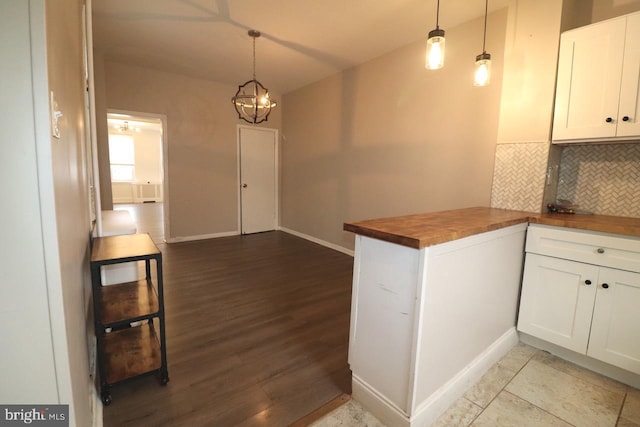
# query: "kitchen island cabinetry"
[598,85]
[427,321]
[581,291]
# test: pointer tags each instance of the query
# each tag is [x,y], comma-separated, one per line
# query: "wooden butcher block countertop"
[422,230]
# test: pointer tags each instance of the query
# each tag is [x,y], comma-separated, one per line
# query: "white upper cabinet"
[597,94]
[629,107]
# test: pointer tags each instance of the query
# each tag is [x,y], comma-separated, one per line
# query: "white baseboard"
[97,407]
[122,200]
[96,402]
[318,241]
[373,402]
[594,365]
[436,404]
[201,237]
[429,410]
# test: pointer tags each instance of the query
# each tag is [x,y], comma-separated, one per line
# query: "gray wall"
[389,137]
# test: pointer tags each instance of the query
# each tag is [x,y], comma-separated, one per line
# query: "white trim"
[429,411]
[96,402]
[318,241]
[97,407]
[92,117]
[441,399]
[373,402]
[201,237]
[165,164]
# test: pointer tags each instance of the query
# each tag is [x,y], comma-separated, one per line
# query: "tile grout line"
[531,403]
[624,400]
[501,390]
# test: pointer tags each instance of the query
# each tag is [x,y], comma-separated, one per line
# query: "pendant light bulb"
[434,59]
[435,50]
[482,75]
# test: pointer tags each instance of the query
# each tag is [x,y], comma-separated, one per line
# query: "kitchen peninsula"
[435,300]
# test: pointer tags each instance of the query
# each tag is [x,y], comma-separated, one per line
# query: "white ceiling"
[302,40]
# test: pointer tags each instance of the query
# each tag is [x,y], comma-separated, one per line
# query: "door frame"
[276,156]
[165,163]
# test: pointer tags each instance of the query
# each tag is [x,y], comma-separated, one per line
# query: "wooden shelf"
[131,352]
[128,302]
[115,249]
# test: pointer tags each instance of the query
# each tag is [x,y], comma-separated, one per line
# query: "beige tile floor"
[527,388]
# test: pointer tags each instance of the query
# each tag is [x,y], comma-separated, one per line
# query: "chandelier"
[252,102]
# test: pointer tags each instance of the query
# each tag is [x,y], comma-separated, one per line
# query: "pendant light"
[435,45]
[252,102]
[482,75]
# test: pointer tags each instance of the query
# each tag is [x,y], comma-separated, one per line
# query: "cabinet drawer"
[608,250]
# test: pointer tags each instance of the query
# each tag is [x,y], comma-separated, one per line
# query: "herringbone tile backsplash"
[604,179]
[519,176]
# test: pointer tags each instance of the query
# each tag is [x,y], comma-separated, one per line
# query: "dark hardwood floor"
[257,335]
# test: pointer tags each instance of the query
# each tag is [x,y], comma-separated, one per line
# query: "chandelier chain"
[254,58]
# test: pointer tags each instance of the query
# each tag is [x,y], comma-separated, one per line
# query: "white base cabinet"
[589,308]
[427,323]
[557,301]
[615,329]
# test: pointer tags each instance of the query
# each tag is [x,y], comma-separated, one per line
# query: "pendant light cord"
[438,15]
[484,37]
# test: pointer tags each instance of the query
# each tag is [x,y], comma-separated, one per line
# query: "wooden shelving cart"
[125,351]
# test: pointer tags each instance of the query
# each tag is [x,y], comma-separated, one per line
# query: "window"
[121,157]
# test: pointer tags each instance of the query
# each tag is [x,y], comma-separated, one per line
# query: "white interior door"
[257,179]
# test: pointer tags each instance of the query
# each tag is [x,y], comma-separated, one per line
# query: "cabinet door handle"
[608,119]
[587,282]
[625,119]
[605,286]
[600,250]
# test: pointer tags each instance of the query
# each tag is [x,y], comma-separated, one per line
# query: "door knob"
[244,185]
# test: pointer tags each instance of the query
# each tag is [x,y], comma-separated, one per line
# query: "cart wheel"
[106,399]
[164,379]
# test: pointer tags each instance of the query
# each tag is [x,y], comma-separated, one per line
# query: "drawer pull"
[600,250]
[587,282]
[605,286]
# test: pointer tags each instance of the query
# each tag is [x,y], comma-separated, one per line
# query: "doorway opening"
[137,159]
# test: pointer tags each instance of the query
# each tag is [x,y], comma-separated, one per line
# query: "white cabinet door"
[557,300]
[615,330]
[629,110]
[588,86]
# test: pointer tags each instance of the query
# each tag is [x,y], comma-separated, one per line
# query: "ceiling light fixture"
[124,127]
[252,101]
[435,45]
[482,75]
